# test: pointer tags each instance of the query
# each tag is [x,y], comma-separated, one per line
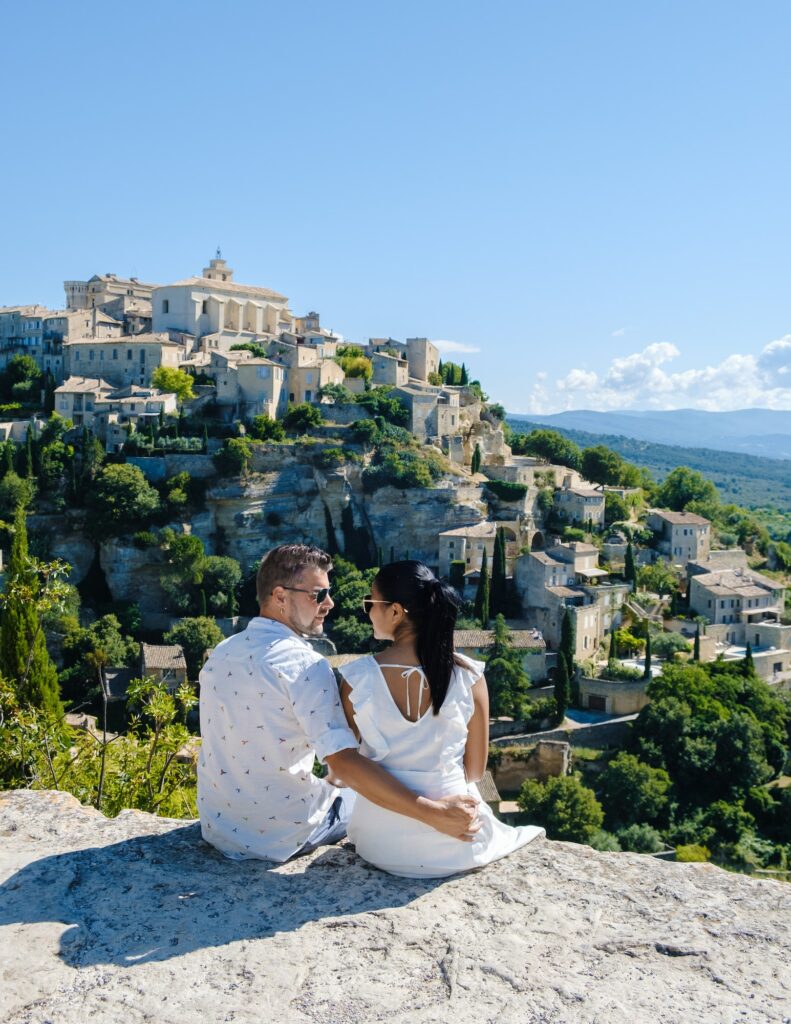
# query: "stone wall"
[136,919]
[547,759]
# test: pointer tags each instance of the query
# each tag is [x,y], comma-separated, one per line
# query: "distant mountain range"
[765,432]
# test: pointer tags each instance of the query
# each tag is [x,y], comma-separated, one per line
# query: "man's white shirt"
[268,702]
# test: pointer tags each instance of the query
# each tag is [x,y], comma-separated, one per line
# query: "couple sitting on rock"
[404,740]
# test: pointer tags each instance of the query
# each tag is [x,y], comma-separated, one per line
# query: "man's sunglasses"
[319,596]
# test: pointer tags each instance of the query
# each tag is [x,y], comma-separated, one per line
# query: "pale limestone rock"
[135,919]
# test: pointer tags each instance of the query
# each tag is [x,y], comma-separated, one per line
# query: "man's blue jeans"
[333,828]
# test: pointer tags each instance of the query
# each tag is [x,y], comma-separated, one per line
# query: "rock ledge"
[136,919]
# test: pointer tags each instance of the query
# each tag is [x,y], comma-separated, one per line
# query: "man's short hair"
[282,566]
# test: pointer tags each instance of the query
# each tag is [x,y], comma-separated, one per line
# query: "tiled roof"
[484,529]
[729,581]
[83,384]
[231,287]
[163,656]
[521,639]
[679,518]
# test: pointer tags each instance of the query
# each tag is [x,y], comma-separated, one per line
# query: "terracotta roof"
[521,639]
[163,656]
[679,518]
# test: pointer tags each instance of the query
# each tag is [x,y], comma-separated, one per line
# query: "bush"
[234,457]
[329,458]
[402,469]
[506,490]
[605,842]
[377,402]
[121,498]
[145,539]
[690,853]
[564,806]
[625,673]
[640,839]
[264,428]
[303,417]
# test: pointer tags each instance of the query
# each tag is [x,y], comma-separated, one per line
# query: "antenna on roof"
[219,253]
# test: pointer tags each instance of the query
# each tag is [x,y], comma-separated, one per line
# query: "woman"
[423,712]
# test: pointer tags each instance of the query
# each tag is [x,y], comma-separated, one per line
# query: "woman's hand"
[455,816]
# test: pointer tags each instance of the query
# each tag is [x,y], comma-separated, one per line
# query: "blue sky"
[589,201]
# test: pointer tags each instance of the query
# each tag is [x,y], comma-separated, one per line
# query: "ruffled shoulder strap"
[468,670]
[362,677]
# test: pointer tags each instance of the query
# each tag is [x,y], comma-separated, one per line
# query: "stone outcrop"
[135,919]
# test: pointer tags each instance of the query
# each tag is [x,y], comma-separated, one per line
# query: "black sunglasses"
[319,596]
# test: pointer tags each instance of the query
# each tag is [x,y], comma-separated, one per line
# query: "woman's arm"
[348,707]
[476,752]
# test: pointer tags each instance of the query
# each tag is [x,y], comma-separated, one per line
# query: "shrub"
[300,418]
[329,458]
[264,428]
[233,458]
[615,670]
[564,806]
[689,853]
[640,838]
[145,539]
[507,490]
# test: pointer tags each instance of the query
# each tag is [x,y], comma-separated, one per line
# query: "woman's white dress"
[427,756]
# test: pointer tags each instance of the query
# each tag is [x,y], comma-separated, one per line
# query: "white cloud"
[454,346]
[619,333]
[643,380]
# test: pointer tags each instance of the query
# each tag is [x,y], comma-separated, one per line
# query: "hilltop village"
[160,438]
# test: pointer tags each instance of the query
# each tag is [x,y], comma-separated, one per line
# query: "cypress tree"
[562,688]
[498,585]
[24,659]
[748,668]
[482,594]
[613,645]
[202,610]
[567,645]
[8,458]
[629,571]
[696,650]
[465,377]
[475,464]
[647,669]
[205,438]
[29,461]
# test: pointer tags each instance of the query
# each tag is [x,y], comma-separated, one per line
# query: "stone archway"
[537,541]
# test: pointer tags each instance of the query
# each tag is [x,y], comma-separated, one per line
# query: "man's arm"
[454,816]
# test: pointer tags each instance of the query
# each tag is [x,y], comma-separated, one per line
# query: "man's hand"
[455,816]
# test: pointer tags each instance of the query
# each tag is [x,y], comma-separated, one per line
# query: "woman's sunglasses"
[369,602]
[319,596]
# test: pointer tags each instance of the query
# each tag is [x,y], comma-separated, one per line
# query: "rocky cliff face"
[136,919]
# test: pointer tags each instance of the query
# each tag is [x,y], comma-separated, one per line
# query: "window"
[115,353]
[263,372]
[204,306]
[90,356]
[165,306]
[129,353]
[142,355]
[77,356]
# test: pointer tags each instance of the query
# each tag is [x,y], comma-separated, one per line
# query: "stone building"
[76,399]
[389,370]
[422,357]
[104,290]
[738,599]
[580,506]
[681,536]
[165,663]
[477,644]
[217,312]
[122,361]
[433,412]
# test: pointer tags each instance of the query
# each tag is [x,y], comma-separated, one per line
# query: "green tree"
[195,636]
[102,643]
[481,609]
[647,664]
[602,465]
[456,577]
[748,668]
[15,492]
[121,500]
[301,418]
[567,641]
[173,382]
[222,577]
[632,791]
[498,598]
[696,649]
[550,445]
[31,588]
[566,808]
[616,509]
[263,428]
[562,688]
[659,578]
[233,459]
[475,464]
[640,837]
[683,485]
[505,674]
[629,570]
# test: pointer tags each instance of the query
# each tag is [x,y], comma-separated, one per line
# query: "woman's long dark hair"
[432,607]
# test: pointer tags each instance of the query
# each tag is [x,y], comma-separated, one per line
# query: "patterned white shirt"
[268,702]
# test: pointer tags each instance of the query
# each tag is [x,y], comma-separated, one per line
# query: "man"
[268,703]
